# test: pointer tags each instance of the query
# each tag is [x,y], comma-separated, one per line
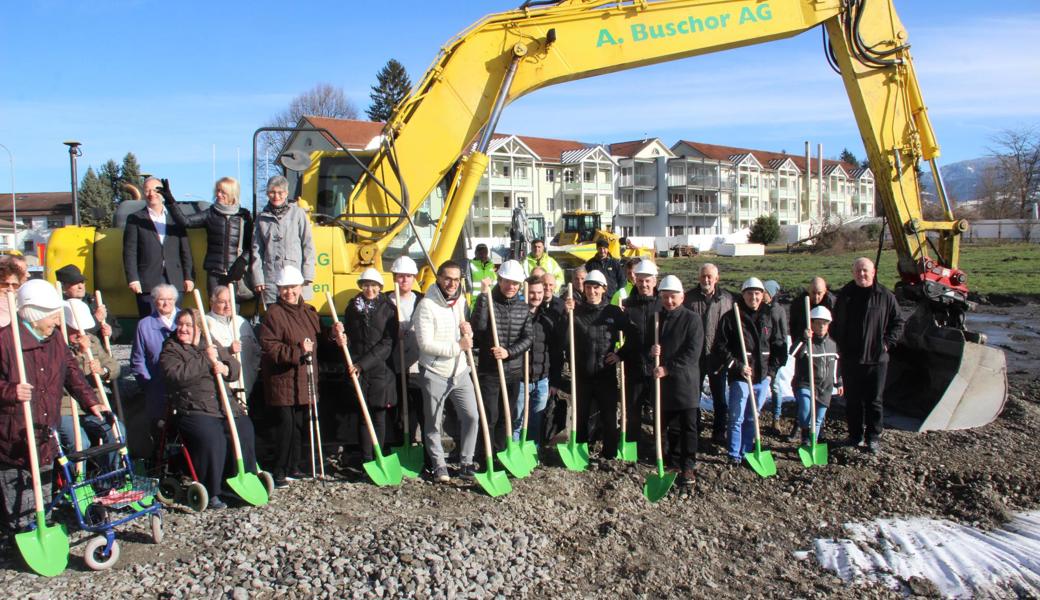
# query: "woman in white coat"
[220,327]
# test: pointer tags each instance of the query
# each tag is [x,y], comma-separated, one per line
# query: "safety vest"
[478,272]
[620,295]
[549,264]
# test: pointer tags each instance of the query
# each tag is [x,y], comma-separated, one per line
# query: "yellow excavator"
[576,244]
[438,137]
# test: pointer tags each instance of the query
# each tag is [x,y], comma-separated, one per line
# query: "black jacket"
[798,322]
[612,269]
[639,335]
[682,336]
[228,237]
[545,353]
[513,318]
[866,324]
[370,337]
[190,384]
[825,367]
[597,329]
[411,346]
[763,340]
[151,263]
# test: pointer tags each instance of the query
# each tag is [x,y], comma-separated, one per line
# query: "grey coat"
[279,241]
[711,311]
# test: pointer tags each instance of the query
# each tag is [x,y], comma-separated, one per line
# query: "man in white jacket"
[443,336]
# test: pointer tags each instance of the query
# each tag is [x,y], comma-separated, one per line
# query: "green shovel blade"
[657,484]
[495,483]
[528,446]
[248,486]
[575,456]
[627,451]
[515,460]
[411,457]
[761,461]
[46,548]
[384,470]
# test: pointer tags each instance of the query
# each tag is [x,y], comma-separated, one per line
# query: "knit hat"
[37,300]
[772,288]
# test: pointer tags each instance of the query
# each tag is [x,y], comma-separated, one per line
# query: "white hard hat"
[820,312]
[646,267]
[753,283]
[670,283]
[289,275]
[596,277]
[78,309]
[372,275]
[512,271]
[404,265]
[38,299]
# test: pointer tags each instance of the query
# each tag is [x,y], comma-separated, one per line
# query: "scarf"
[277,211]
[229,210]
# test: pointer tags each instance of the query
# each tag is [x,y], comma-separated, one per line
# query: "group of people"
[627,322]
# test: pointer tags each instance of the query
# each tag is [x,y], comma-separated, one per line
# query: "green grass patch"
[1009,268]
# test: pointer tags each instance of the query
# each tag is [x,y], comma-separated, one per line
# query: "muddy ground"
[561,534]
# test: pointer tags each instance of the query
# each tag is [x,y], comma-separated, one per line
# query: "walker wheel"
[169,490]
[94,553]
[197,498]
[157,531]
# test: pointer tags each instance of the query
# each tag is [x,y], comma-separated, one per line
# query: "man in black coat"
[867,325]
[639,337]
[679,348]
[597,329]
[612,269]
[155,250]
[513,321]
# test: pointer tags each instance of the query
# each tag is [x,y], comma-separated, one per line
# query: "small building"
[38,214]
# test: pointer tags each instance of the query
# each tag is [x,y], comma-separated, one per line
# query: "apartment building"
[694,188]
[38,215]
[547,176]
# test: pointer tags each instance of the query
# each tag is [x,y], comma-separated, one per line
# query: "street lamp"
[14,210]
[74,151]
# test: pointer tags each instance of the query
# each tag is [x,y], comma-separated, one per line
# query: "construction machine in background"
[413,194]
[576,244]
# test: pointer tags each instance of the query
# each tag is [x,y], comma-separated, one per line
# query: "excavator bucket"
[944,378]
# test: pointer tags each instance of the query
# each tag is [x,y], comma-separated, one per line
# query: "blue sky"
[169,80]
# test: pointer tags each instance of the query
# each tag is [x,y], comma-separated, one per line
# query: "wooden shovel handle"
[744,361]
[480,407]
[30,432]
[353,376]
[657,391]
[573,362]
[501,370]
[404,368]
[220,384]
[104,338]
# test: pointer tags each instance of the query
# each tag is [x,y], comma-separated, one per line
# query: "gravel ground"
[562,534]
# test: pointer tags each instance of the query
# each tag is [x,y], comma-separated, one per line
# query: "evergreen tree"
[848,157]
[95,201]
[129,173]
[392,84]
[108,174]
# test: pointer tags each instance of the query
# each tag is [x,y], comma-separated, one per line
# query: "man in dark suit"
[155,250]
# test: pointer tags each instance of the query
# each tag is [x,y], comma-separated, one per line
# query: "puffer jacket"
[826,375]
[544,351]
[798,319]
[279,240]
[880,327]
[281,362]
[49,367]
[682,337]
[229,237]
[109,368]
[190,383]
[597,329]
[371,334]
[763,339]
[513,318]
[711,311]
[436,322]
[639,335]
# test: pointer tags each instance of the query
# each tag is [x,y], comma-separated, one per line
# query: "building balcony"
[637,209]
[639,180]
[778,193]
[693,208]
[497,212]
[506,182]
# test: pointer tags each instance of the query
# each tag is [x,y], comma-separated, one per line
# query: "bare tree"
[1018,165]
[323,100]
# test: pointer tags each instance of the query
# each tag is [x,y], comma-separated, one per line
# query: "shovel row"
[620,342]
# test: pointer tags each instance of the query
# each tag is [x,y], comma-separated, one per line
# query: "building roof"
[730,153]
[629,149]
[357,135]
[40,204]
[549,149]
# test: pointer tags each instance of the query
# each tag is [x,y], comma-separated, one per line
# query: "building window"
[27,222]
[521,172]
[550,175]
[568,176]
[589,176]
[55,222]
[675,230]
[29,247]
[550,203]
